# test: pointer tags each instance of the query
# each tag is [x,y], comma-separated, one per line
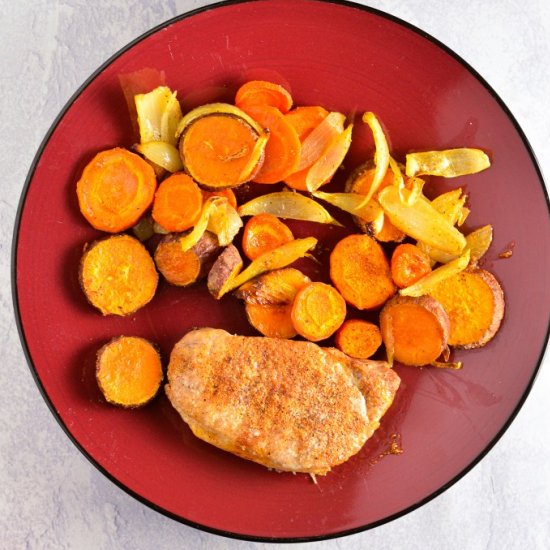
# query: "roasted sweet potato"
[129,371]
[415,331]
[274,321]
[118,275]
[360,270]
[227,265]
[182,268]
[276,287]
[474,302]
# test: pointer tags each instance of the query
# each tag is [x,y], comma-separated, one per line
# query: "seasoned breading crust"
[288,405]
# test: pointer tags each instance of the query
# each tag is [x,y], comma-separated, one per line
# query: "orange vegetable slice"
[261,92]
[115,189]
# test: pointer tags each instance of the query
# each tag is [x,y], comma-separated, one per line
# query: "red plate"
[350,59]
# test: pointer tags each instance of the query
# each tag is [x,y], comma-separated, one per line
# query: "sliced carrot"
[358,338]
[409,264]
[129,371]
[227,193]
[305,119]
[118,275]
[178,203]
[274,321]
[263,233]
[318,311]
[219,150]
[360,270]
[415,330]
[182,268]
[298,180]
[261,92]
[282,152]
[115,189]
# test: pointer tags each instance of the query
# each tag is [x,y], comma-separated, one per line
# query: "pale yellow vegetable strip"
[278,258]
[421,221]
[320,139]
[448,163]
[257,153]
[381,154]
[464,213]
[162,153]
[216,109]
[430,281]
[479,241]
[450,205]
[325,167]
[224,221]
[193,237]
[352,203]
[170,119]
[290,205]
[150,108]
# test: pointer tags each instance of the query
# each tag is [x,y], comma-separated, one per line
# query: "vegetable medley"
[409,260]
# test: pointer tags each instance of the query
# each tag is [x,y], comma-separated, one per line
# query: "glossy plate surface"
[345,58]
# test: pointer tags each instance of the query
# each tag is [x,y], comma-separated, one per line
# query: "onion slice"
[430,281]
[324,168]
[277,258]
[448,163]
[161,153]
[285,204]
[421,221]
[381,154]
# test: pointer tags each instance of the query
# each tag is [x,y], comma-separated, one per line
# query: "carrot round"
[273,320]
[359,339]
[115,189]
[182,268]
[318,311]
[261,92]
[178,203]
[409,264]
[360,270]
[263,233]
[217,150]
[118,275]
[282,151]
[415,330]
[129,371]
[305,119]
[226,193]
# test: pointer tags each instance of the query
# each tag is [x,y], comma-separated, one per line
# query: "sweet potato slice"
[409,264]
[183,268]
[474,302]
[226,266]
[415,331]
[221,149]
[360,270]
[276,287]
[129,371]
[274,321]
[118,275]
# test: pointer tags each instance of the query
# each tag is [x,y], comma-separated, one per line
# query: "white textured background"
[50,495]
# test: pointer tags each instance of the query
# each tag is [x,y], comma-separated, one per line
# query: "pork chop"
[288,405]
